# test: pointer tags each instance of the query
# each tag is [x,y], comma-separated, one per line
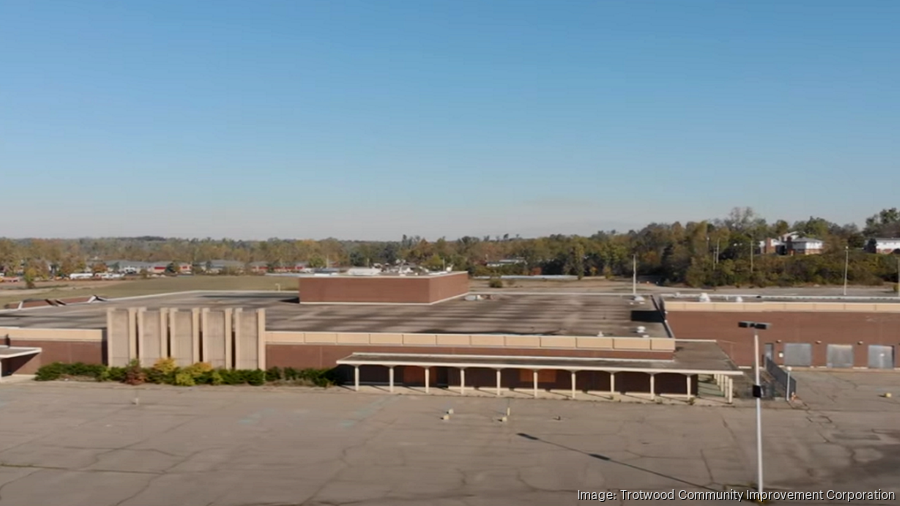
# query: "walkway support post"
[729,390]
[612,384]
[573,385]
[462,381]
[356,378]
[534,375]
[652,387]
[688,386]
[427,377]
[498,382]
[391,378]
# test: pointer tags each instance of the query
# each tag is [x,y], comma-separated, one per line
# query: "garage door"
[881,357]
[840,356]
[798,354]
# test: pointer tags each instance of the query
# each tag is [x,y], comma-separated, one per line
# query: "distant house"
[219,266]
[883,245]
[258,267]
[777,245]
[127,266]
[506,261]
[805,246]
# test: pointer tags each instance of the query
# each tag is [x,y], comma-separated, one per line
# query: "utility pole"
[751,259]
[634,276]
[846,267]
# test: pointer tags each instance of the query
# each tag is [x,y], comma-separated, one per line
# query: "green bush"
[184,378]
[116,374]
[59,370]
[495,282]
[274,374]
[197,374]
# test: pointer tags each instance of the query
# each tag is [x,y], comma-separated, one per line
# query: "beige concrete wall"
[476,340]
[756,307]
[36,334]
[213,329]
[246,340]
[181,339]
[117,334]
[152,335]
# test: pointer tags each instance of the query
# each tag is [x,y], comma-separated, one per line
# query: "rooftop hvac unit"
[640,330]
[704,297]
[739,299]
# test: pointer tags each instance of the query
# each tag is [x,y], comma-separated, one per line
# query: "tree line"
[720,252]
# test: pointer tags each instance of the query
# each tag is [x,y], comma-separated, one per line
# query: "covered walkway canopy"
[722,372]
[7,352]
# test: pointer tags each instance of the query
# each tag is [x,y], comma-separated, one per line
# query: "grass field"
[111,289]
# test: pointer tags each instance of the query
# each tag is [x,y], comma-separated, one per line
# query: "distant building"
[805,246]
[883,245]
[219,266]
[506,261]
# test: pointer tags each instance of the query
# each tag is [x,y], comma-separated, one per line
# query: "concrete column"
[612,383]
[498,382]
[229,339]
[132,334]
[462,381]
[534,375]
[391,378]
[573,384]
[204,334]
[356,378]
[729,389]
[653,386]
[163,333]
[140,337]
[195,335]
[238,312]
[427,378]
[261,338]
[689,386]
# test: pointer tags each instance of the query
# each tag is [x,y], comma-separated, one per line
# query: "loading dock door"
[840,356]
[881,357]
[798,354]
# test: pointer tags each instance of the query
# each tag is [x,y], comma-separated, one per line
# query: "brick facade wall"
[790,327]
[383,289]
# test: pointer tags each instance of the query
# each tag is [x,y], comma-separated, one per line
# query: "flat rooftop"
[539,314]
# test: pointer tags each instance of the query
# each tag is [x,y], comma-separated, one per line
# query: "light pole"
[634,276]
[757,392]
[846,267]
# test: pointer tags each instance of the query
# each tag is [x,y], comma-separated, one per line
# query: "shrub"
[495,282]
[134,373]
[291,374]
[215,378]
[255,378]
[116,374]
[274,374]
[166,365]
[59,370]
[184,378]
[50,372]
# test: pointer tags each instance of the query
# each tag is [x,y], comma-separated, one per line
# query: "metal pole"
[751,259]
[898,277]
[634,277]
[759,458]
[787,388]
[846,267]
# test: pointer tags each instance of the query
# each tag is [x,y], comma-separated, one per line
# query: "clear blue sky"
[370,119]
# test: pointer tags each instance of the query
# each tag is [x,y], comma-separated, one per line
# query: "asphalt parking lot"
[79,444]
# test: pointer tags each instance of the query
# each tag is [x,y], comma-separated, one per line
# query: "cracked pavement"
[86,444]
